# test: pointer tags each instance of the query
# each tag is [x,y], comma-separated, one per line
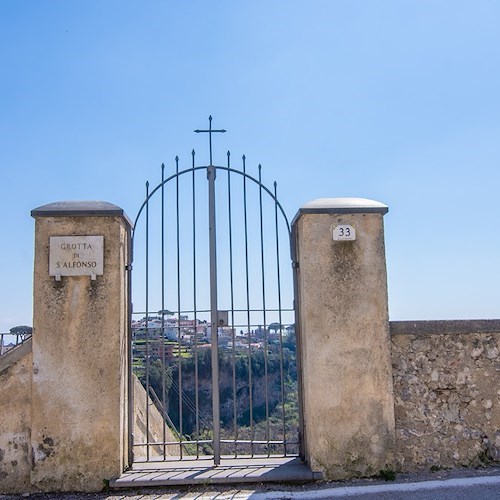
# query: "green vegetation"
[387,475]
[192,370]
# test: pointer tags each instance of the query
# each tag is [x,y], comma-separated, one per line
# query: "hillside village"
[184,333]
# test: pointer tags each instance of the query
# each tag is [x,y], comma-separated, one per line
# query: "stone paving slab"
[230,471]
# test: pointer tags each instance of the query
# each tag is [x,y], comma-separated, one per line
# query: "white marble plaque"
[344,232]
[76,256]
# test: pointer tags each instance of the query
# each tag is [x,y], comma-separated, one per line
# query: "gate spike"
[228,154]
[192,153]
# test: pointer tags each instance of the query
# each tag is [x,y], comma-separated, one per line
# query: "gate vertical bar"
[247,283]
[211,174]
[130,379]
[147,321]
[280,318]
[162,338]
[196,376]
[263,278]
[231,284]
[179,343]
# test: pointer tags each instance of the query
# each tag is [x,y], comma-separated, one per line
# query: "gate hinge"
[295,265]
[128,267]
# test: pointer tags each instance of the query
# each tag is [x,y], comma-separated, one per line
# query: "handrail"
[9,341]
[13,355]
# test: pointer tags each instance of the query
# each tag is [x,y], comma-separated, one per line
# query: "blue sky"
[396,101]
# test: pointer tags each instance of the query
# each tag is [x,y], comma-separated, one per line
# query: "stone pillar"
[80,348]
[344,342]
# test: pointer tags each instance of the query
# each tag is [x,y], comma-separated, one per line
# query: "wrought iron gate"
[213,330]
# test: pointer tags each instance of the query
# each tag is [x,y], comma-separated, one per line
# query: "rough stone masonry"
[446,393]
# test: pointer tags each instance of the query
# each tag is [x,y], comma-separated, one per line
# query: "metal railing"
[9,341]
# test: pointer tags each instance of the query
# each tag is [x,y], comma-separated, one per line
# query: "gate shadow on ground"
[231,471]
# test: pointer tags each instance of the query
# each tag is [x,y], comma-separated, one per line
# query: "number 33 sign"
[344,232]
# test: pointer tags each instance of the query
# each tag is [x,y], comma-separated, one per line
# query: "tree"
[275,327]
[165,312]
[22,330]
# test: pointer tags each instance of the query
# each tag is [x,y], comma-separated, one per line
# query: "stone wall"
[15,419]
[16,372]
[156,426]
[447,393]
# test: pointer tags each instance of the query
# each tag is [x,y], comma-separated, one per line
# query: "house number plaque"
[344,232]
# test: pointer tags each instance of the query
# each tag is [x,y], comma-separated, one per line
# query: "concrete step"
[230,471]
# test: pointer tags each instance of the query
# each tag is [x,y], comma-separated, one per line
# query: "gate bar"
[211,173]
[231,282]
[280,319]
[162,337]
[263,278]
[179,344]
[247,282]
[196,377]
[147,316]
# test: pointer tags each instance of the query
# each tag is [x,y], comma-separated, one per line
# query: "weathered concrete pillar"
[80,347]
[344,337]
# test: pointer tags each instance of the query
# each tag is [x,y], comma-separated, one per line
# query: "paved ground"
[459,484]
[203,472]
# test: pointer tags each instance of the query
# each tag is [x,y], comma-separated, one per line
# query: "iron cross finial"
[210,131]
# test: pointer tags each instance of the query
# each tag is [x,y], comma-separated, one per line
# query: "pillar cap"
[80,209]
[342,206]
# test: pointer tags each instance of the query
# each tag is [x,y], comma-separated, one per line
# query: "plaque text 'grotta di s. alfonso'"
[76,256]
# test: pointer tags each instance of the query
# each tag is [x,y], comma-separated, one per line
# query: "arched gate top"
[193,168]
